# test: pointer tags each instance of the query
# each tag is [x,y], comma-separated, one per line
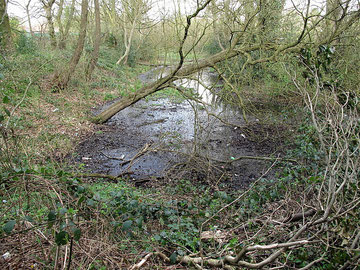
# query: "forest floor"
[189,164]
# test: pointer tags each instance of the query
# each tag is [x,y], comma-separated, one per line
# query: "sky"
[16,8]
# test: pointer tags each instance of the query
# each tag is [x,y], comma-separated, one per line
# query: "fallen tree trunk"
[235,49]
[163,83]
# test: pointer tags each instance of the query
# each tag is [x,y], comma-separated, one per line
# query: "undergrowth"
[55,215]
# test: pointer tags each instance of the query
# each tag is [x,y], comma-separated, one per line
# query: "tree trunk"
[333,15]
[59,20]
[6,43]
[48,14]
[64,32]
[61,81]
[27,7]
[269,19]
[97,39]
[127,41]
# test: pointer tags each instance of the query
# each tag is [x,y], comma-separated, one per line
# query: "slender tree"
[61,80]
[97,40]
[133,14]
[28,16]
[64,30]
[48,5]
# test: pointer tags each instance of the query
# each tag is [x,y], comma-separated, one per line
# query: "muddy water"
[148,138]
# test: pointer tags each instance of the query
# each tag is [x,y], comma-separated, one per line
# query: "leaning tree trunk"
[163,83]
[61,80]
[6,43]
[235,49]
[97,39]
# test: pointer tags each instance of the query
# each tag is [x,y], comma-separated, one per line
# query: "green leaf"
[127,225]
[51,219]
[80,189]
[7,112]
[9,226]
[61,238]
[2,118]
[52,216]
[63,211]
[29,218]
[139,222]
[82,198]
[77,234]
[90,202]
[173,258]
[6,100]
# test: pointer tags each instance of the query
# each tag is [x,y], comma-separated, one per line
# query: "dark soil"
[174,149]
[155,142]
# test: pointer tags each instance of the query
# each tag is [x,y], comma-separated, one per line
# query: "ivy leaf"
[6,100]
[82,198]
[9,226]
[29,218]
[173,258]
[51,219]
[127,225]
[77,234]
[7,112]
[63,211]
[61,238]
[90,202]
[139,222]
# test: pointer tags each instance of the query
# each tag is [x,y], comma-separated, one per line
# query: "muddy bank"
[157,141]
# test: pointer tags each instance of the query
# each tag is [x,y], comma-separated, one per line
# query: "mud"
[157,141]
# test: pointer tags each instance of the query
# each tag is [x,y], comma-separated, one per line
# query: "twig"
[21,101]
[300,216]
[141,263]
[257,158]
[71,249]
[57,257]
[309,265]
[99,175]
[139,154]
[109,157]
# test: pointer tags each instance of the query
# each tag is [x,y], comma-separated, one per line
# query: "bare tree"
[132,15]
[28,16]
[48,5]
[97,40]
[64,31]
[61,80]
